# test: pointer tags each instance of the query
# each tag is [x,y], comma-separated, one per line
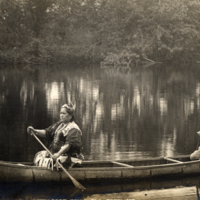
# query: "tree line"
[113,31]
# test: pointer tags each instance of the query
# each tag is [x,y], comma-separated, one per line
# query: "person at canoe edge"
[66,141]
[196,154]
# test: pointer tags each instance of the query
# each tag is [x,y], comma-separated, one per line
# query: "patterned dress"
[62,134]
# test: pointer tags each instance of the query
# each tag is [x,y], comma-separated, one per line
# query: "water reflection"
[147,112]
[184,188]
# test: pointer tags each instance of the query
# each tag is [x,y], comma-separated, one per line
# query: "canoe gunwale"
[105,168]
[138,167]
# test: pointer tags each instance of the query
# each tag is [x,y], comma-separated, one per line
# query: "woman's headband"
[70,107]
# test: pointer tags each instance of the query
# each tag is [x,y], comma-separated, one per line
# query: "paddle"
[75,182]
[198,141]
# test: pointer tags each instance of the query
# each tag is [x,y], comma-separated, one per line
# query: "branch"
[163,29]
[149,60]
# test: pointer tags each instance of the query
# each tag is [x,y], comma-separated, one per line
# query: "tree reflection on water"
[145,112]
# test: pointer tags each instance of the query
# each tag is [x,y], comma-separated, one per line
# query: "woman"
[66,139]
[196,154]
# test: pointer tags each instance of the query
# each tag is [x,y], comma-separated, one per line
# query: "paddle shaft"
[198,144]
[42,144]
[76,183]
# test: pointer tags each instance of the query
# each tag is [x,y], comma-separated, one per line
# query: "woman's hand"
[29,129]
[198,133]
[55,156]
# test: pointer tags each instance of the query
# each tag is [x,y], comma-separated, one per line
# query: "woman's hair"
[72,115]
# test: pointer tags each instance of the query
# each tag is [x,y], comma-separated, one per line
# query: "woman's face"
[64,116]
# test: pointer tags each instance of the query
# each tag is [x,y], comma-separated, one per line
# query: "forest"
[112,31]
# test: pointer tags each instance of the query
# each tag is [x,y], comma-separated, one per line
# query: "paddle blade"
[77,184]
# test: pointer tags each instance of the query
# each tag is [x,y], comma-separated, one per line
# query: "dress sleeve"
[74,138]
[50,131]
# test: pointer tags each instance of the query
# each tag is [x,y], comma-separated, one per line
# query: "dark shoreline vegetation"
[114,32]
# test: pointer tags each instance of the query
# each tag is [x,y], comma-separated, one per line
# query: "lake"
[146,111]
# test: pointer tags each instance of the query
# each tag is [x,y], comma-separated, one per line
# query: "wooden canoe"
[102,170]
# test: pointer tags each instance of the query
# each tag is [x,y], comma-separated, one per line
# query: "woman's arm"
[63,149]
[40,133]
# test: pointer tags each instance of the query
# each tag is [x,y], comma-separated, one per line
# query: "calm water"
[150,111]
[105,191]
[146,112]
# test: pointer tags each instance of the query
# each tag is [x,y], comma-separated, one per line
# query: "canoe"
[102,170]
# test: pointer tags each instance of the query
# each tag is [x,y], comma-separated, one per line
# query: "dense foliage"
[53,31]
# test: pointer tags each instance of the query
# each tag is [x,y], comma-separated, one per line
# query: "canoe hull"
[13,172]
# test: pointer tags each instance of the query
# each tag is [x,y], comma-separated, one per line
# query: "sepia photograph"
[100,99]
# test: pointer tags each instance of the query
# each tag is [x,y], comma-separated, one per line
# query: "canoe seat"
[122,164]
[172,160]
